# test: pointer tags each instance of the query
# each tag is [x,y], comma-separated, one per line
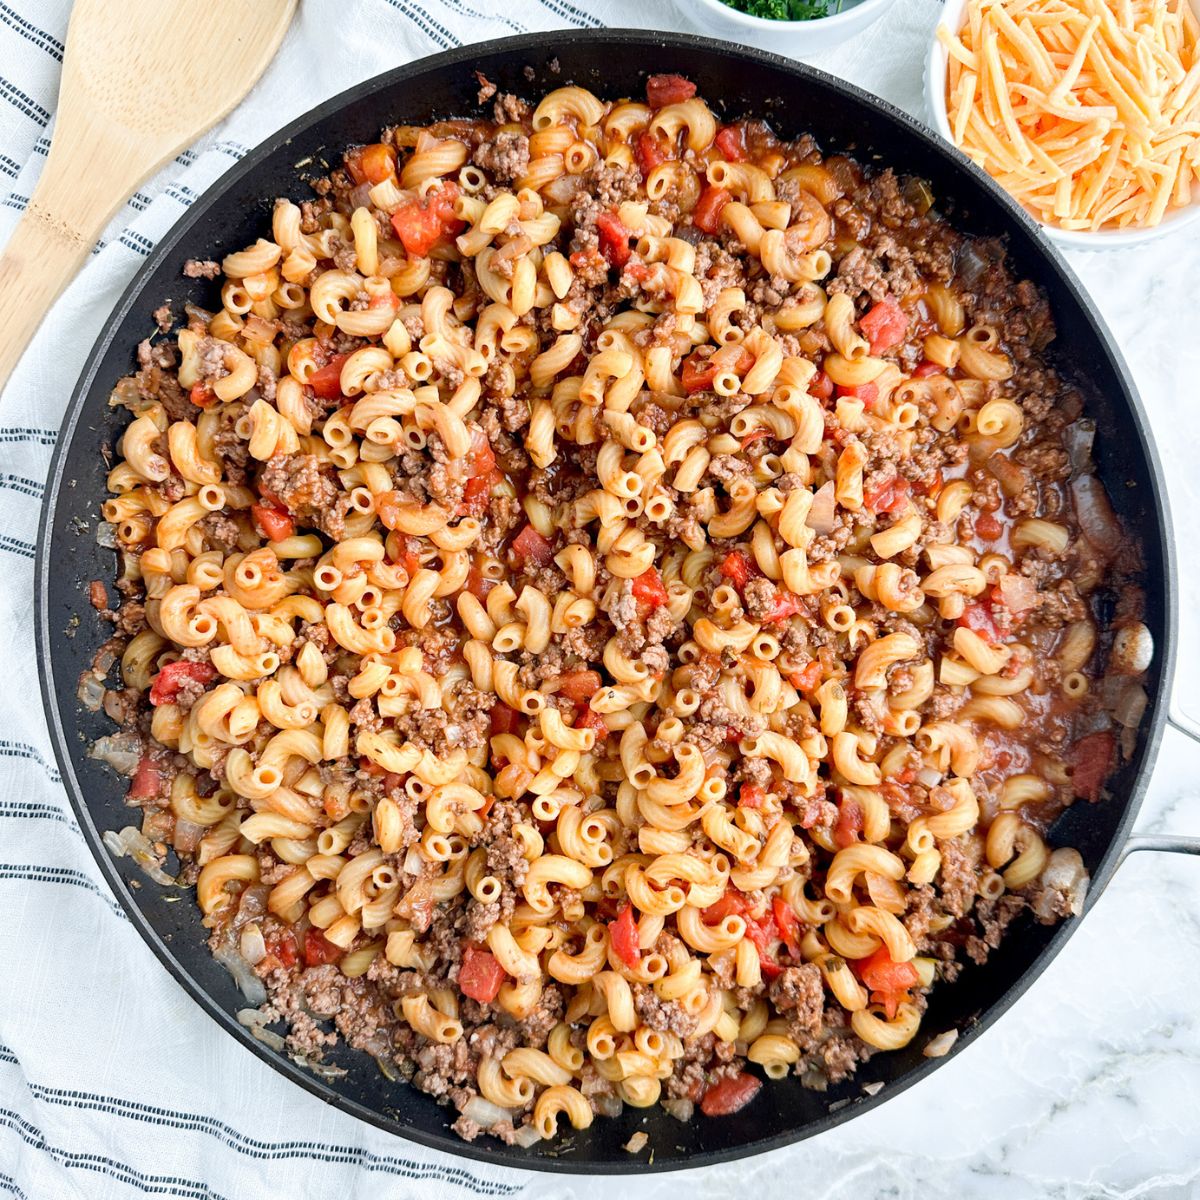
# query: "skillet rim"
[681,43]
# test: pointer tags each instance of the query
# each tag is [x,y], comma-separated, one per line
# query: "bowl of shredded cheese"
[1086,111]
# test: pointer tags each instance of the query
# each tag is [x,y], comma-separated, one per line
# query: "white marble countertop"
[1090,1085]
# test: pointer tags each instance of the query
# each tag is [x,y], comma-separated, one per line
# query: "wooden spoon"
[141,80]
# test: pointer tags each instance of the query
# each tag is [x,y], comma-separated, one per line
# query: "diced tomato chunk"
[531,546]
[662,90]
[202,396]
[755,435]
[614,239]
[477,583]
[788,923]
[879,973]
[699,370]
[590,719]
[477,492]
[698,373]
[173,676]
[768,966]
[868,393]
[326,382]
[371,164]
[706,215]
[988,527]
[751,796]
[273,523]
[146,779]
[787,604]
[480,975]
[761,931]
[887,497]
[284,948]
[318,949]
[821,386]
[648,588]
[579,686]
[737,568]
[481,458]
[421,228]
[418,228]
[731,143]
[849,824]
[649,153]
[730,901]
[1091,761]
[623,933]
[884,325]
[807,677]
[504,719]
[730,1094]
[978,618]
[925,368]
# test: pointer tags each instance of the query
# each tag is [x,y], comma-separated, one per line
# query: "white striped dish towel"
[112,1084]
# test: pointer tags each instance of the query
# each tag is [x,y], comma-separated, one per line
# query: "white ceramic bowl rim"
[765,23]
[1080,239]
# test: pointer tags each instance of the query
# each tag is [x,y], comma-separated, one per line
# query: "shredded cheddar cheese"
[1086,111]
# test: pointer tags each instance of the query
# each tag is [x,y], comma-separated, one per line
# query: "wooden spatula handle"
[141,79]
[40,259]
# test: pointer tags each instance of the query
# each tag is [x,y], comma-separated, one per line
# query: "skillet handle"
[1170,842]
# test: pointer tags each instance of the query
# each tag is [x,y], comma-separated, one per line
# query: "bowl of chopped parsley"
[798,27]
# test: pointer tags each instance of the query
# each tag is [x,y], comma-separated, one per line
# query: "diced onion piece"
[1132,650]
[1018,592]
[1131,704]
[252,944]
[269,1038]
[1064,875]
[484,1113]
[823,512]
[1079,436]
[873,1089]
[106,535]
[243,974]
[326,1071]
[133,842]
[121,751]
[680,1107]
[637,1143]
[91,692]
[607,1106]
[1096,517]
[939,1046]
[252,1018]
[527,1136]
[187,835]
[1013,477]
[928,777]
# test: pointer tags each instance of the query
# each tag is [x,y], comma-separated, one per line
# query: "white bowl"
[797,38]
[1101,239]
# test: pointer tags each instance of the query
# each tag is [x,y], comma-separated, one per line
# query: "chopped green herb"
[787,10]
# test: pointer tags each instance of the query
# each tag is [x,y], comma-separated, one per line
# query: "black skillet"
[737,82]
